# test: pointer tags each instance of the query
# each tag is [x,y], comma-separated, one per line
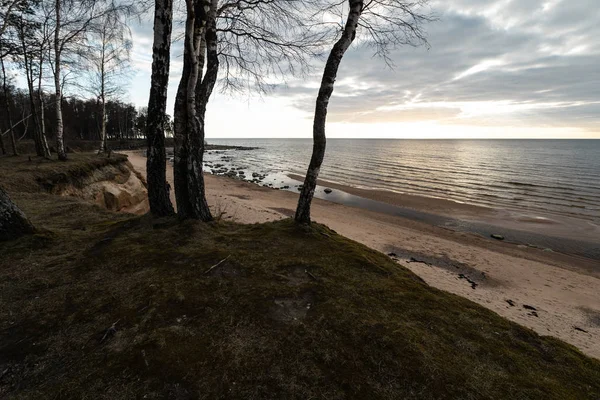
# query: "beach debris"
[472,282]
[525,306]
[496,236]
[392,254]
[327,191]
[414,260]
[580,329]
[110,331]
[216,265]
[510,302]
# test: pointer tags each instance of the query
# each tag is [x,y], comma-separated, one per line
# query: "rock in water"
[327,191]
[497,237]
[13,223]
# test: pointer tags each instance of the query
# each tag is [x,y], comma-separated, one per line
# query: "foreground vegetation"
[105,305]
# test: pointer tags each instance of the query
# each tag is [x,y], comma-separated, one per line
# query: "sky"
[493,69]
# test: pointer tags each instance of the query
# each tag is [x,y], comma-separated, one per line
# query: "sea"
[538,177]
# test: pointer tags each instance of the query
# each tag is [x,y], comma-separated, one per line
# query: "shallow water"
[538,177]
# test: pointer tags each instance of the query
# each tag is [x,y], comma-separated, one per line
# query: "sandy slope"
[563,290]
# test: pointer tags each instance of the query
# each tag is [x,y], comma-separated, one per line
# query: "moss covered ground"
[104,305]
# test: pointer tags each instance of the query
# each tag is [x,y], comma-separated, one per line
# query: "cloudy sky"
[494,69]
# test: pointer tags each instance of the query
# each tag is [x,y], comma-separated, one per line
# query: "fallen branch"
[110,331]
[216,265]
[314,278]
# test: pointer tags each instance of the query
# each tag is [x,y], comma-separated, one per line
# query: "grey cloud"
[526,44]
[525,72]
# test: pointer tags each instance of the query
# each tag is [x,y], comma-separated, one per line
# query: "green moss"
[257,326]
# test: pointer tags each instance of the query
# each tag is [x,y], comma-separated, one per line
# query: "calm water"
[540,177]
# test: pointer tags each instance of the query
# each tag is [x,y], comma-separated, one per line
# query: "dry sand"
[564,290]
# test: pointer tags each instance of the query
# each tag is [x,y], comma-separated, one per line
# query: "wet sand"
[501,276]
[559,233]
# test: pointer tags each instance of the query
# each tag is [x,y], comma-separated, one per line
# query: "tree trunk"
[39,149]
[2,148]
[201,94]
[204,16]
[325,91]
[13,222]
[180,115]
[42,123]
[103,94]
[11,130]
[103,126]
[39,138]
[156,164]
[42,115]
[60,142]
[103,123]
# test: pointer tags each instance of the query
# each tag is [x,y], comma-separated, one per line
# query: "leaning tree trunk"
[325,91]
[13,222]
[156,164]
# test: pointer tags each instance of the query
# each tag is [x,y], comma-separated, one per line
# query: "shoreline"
[563,289]
[557,235]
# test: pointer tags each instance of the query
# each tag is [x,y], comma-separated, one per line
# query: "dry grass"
[294,312]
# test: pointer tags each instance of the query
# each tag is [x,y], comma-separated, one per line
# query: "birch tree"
[109,58]
[381,24]
[248,42]
[156,163]
[16,43]
[7,105]
[189,130]
[73,21]
[33,31]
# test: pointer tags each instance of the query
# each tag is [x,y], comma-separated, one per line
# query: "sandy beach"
[552,293]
